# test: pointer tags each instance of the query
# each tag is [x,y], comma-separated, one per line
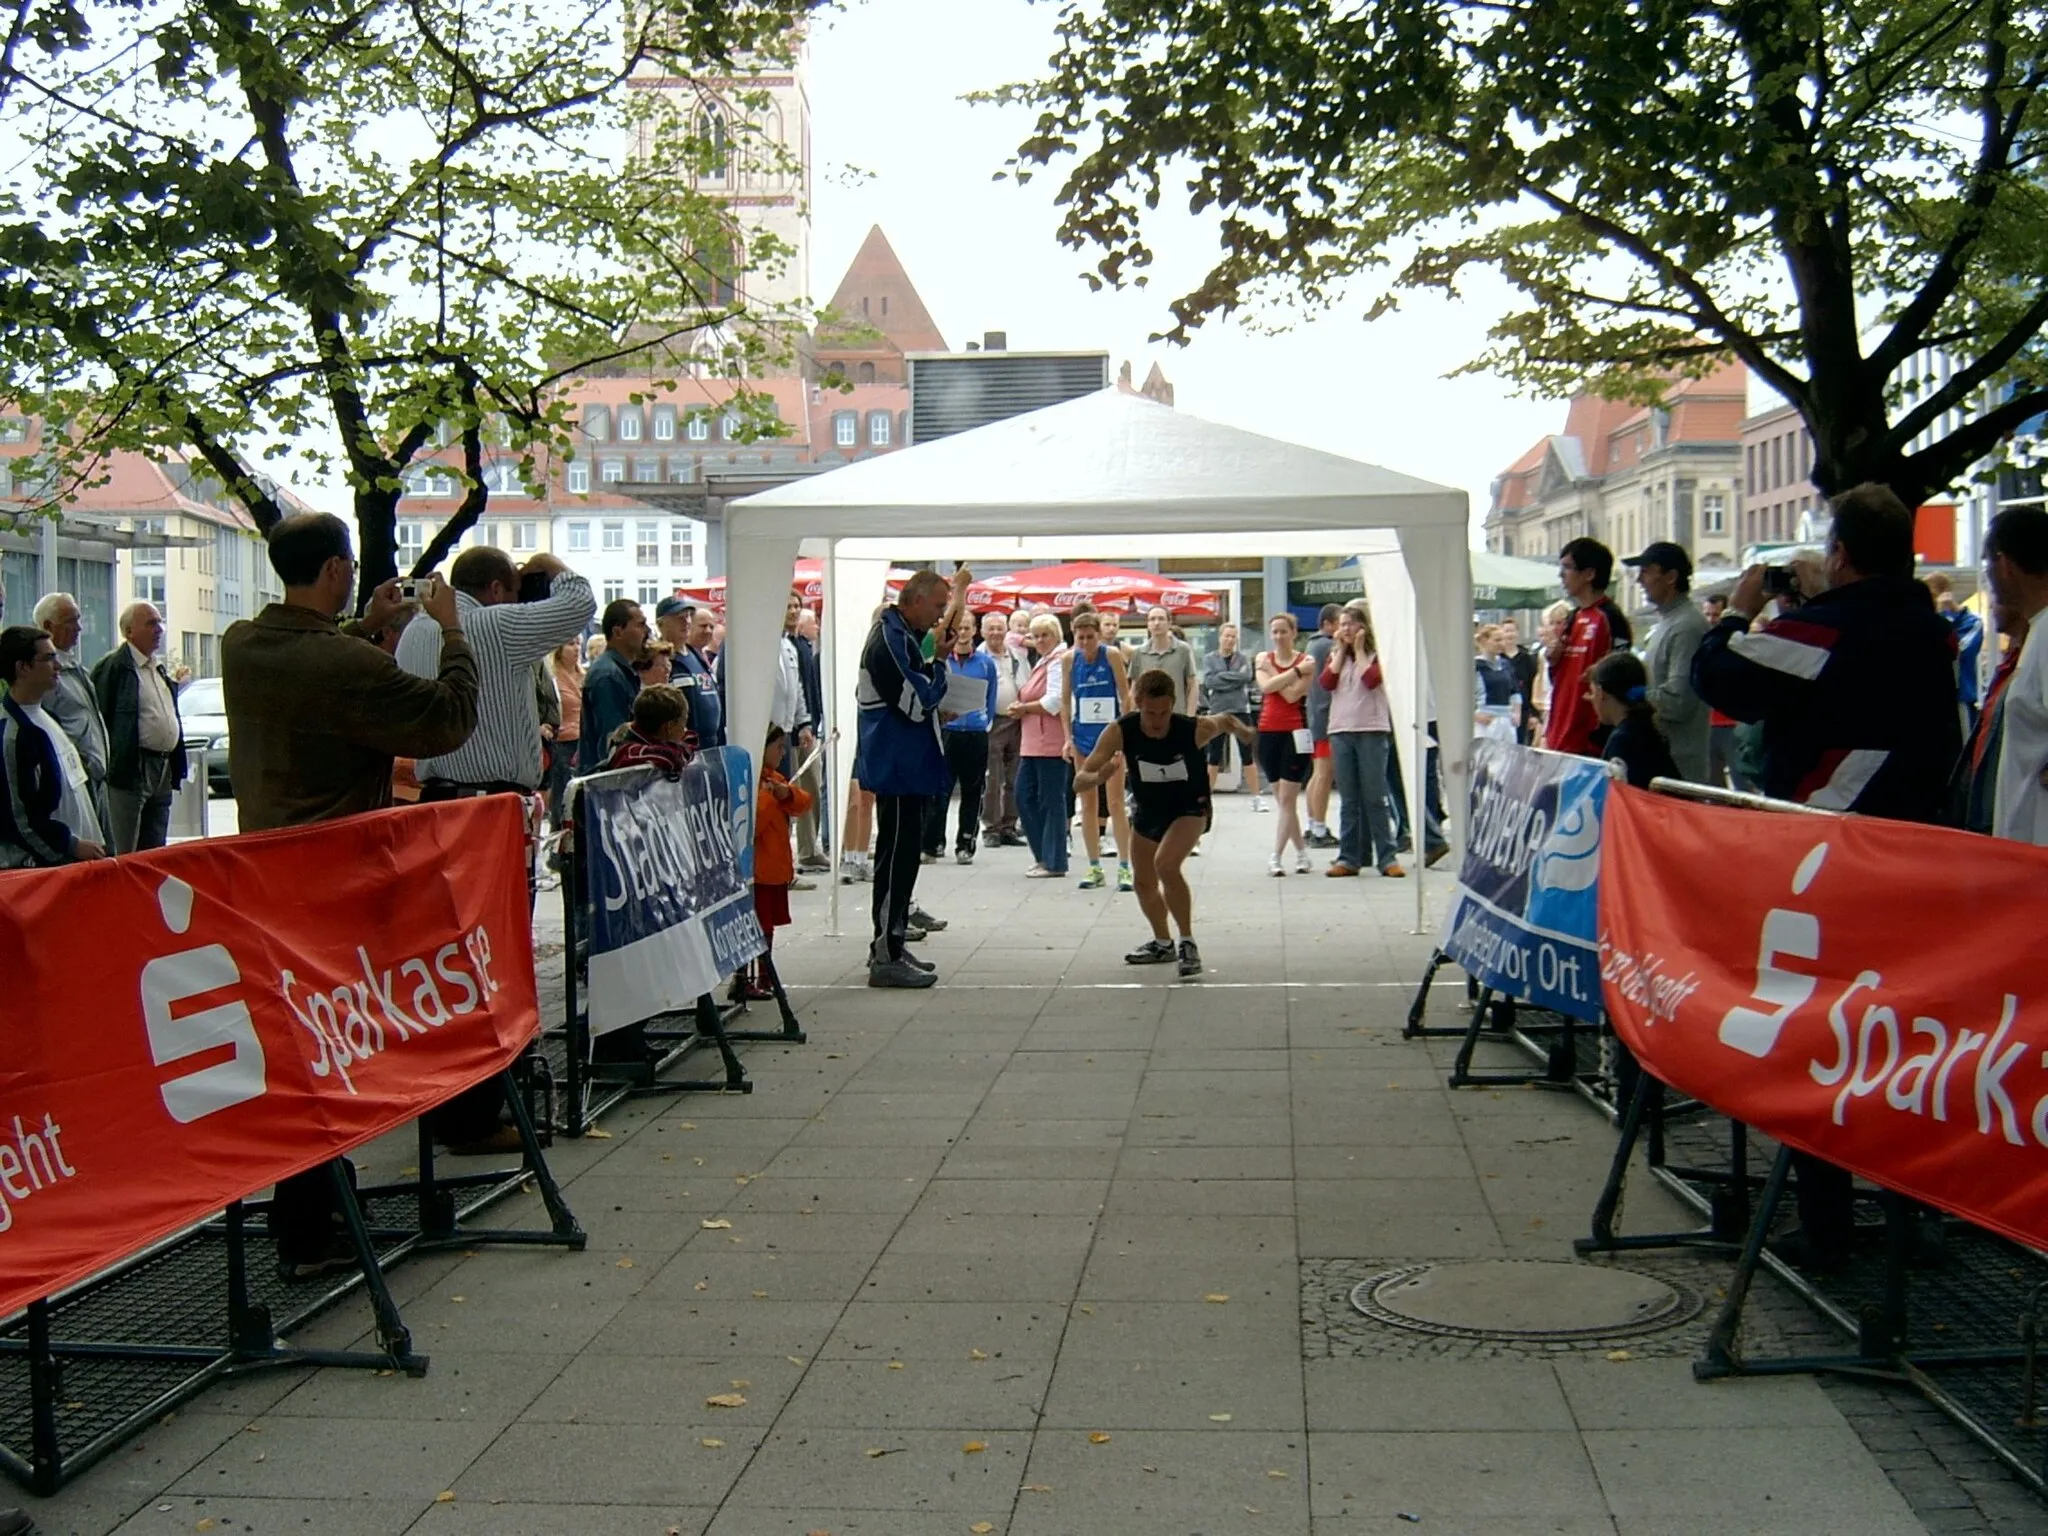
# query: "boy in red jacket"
[778,804]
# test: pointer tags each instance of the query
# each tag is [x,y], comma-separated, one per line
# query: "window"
[647,470]
[682,544]
[700,427]
[682,471]
[612,471]
[650,594]
[597,423]
[502,477]
[1713,513]
[729,428]
[664,423]
[422,480]
[629,423]
[577,478]
[13,429]
[149,588]
[865,374]
[526,537]
[845,429]
[579,538]
[615,538]
[412,542]
[614,590]
[717,139]
[647,543]
[878,429]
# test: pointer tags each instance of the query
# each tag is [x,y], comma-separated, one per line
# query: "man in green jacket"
[315,717]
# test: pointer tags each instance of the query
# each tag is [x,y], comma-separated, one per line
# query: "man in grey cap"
[1664,570]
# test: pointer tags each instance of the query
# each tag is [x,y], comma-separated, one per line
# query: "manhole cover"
[1523,1299]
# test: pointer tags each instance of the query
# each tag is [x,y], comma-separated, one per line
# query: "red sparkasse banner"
[187,1026]
[1869,991]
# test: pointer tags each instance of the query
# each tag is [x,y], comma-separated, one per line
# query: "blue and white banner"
[669,865]
[1524,920]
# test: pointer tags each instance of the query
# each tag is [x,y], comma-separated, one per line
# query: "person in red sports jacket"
[1595,630]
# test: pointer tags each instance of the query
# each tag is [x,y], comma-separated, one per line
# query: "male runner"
[1169,778]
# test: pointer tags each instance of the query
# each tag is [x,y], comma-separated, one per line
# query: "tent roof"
[1071,468]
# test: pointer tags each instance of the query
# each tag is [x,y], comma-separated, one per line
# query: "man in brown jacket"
[315,717]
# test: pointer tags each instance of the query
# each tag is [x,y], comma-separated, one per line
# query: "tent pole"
[1419,788]
[830,781]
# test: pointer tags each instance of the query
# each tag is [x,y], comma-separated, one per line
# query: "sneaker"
[1273,866]
[1301,861]
[916,933]
[927,858]
[1093,881]
[339,1254]
[1013,840]
[1321,837]
[924,919]
[1342,871]
[849,872]
[899,973]
[1151,952]
[1123,878]
[1190,958]
[1259,803]
[922,965]
[1393,872]
[964,854]
[815,865]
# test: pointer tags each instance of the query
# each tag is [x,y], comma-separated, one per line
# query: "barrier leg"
[1489,1005]
[1645,1105]
[250,1334]
[711,1022]
[46,1457]
[1415,1028]
[792,1032]
[564,1221]
[437,1201]
[392,1336]
[1722,1357]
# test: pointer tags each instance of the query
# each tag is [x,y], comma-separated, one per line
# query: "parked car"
[203,710]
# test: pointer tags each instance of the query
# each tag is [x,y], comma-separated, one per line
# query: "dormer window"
[597,423]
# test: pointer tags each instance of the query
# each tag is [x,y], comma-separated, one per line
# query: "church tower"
[758,124]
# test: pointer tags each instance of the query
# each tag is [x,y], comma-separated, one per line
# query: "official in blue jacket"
[901,758]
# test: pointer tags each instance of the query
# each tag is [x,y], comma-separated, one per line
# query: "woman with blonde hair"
[1042,785]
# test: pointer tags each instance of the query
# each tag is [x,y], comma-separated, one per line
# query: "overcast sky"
[886,78]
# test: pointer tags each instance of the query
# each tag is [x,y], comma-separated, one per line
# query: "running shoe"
[1151,952]
[1259,803]
[1123,878]
[916,932]
[1092,881]
[849,872]
[963,854]
[1273,866]
[1301,861]
[1190,958]
[899,973]
[922,965]
[924,919]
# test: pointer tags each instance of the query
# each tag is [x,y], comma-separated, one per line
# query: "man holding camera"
[507,637]
[1856,692]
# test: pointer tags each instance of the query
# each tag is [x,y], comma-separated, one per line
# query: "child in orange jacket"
[778,804]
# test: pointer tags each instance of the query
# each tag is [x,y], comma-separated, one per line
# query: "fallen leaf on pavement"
[1219,1418]
[625,1264]
[974,1448]
[445,1496]
[982,1527]
[1218,1297]
[725,1400]
[1098,1438]
[895,1365]
[975,1354]
[597,1133]
[1619,1355]
[712,1445]
[715,1224]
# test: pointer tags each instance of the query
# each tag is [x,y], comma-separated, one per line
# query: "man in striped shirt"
[508,637]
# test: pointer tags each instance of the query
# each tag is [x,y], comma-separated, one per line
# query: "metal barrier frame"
[254,1340]
[1883,1349]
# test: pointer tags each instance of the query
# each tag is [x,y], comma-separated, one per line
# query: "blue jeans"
[1365,829]
[1042,809]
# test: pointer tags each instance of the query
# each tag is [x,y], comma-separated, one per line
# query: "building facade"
[1629,475]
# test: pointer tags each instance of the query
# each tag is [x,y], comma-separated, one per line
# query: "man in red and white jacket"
[1596,628]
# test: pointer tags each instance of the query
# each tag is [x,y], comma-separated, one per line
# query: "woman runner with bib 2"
[1094,700]
[1168,773]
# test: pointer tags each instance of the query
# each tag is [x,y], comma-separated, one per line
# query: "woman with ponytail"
[1620,694]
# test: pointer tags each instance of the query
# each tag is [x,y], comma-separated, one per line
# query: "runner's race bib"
[1095,711]
[1304,743]
[1175,772]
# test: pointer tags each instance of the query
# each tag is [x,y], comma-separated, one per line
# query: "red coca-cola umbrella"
[808,580]
[1111,588]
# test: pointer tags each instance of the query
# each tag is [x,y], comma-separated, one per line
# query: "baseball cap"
[672,605]
[1666,555]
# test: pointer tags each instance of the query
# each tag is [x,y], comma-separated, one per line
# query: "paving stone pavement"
[1054,1247]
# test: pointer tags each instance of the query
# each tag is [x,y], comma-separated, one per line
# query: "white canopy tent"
[1107,475]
